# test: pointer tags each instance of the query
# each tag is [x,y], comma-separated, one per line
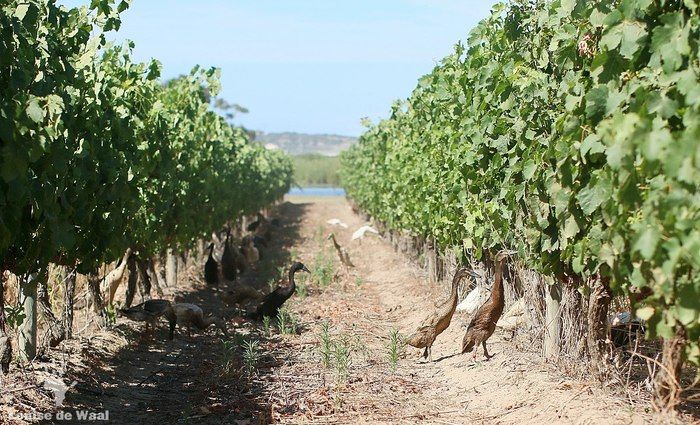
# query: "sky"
[308,66]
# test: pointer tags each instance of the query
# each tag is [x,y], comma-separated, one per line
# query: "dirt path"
[336,366]
[387,292]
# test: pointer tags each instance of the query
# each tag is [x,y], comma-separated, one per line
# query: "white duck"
[360,233]
[337,222]
[474,300]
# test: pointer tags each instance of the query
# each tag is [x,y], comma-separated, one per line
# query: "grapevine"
[568,130]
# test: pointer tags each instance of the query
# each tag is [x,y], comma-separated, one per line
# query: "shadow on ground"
[186,380]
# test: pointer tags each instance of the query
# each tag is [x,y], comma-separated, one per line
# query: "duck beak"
[474,274]
[306,270]
[510,252]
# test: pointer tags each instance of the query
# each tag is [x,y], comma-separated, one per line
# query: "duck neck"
[292,283]
[335,243]
[497,292]
[211,250]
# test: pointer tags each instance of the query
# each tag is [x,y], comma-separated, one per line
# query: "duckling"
[147,312]
[239,295]
[191,315]
[342,253]
[263,228]
[211,268]
[274,300]
[228,259]
[436,323]
[483,324]
[250,252]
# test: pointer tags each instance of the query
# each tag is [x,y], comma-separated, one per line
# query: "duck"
[259,242]
[337,222]
[436,323]
[228,259]
[342,253]
[149,312]
[473,300]
[263,229]
[255,224]
[360,233]
[191,315]
[625,329]
[250,252]
[239,295]
[272,302]
[211,268]
[483,324]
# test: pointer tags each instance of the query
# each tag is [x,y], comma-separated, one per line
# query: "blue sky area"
[311,66]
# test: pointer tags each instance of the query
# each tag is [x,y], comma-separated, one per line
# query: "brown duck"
[483,323]
[342,253]
[239,295]
[191,316]
[148,312]
[436,323]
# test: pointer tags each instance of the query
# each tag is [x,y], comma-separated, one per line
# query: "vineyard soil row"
[185,381]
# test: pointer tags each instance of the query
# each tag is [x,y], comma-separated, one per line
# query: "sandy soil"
[282,377]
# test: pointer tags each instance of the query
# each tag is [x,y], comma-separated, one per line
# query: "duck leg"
[430,353]
[425,353]
[486,353]
[171,329]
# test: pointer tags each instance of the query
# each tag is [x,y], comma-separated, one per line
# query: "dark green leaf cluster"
[97,154]
[567,129]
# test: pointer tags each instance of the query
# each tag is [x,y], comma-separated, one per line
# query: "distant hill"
[298,143]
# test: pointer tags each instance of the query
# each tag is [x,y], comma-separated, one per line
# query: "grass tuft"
[395,347]
[251,356]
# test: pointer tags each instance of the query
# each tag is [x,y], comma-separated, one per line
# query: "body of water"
[317,191]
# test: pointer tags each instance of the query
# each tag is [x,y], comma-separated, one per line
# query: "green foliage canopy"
[567,129]
[97,155]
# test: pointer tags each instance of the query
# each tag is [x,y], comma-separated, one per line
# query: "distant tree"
[229,109]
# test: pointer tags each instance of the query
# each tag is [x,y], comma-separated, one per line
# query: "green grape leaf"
[647,241]
[34,111]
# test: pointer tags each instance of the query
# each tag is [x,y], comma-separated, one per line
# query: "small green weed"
[326,344]
[228,353]
[110,312]
[323,271]
[395,347]
[287,322]
[266,326]
[251,356]
[341,357]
